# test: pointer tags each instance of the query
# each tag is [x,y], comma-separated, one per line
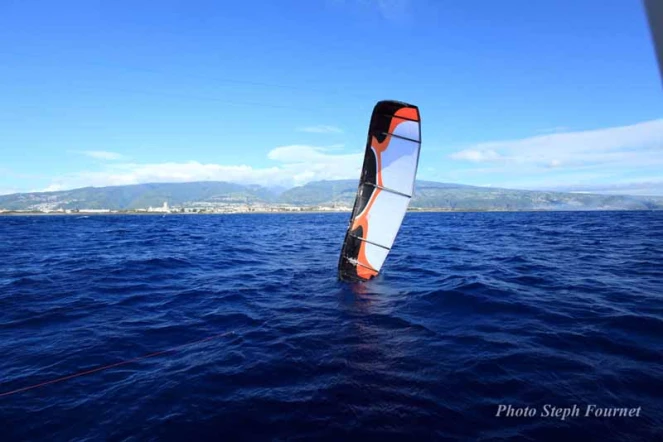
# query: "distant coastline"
[304,211]
[315,196]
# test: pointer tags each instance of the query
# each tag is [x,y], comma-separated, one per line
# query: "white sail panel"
[375,255]
[406,129]
[384,217]
[399,164]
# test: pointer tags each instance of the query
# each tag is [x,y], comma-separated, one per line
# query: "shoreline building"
[162,209]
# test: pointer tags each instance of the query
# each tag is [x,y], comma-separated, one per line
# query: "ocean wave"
[470,311]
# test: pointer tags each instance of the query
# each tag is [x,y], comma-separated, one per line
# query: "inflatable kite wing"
[385,188]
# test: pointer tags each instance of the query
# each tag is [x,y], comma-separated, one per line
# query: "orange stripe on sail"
[395,121]
[408,112]
[362,221]
[365,273]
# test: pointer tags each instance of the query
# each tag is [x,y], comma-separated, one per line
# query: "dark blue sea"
[472,311]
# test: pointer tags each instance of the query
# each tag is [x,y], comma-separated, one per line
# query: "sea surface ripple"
[472,310]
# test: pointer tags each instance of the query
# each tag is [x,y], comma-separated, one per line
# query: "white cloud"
[102,155]
[555,129]
[477,156]
[579,160]
[632,145]
[638,186]
[321,129]
[308,163]
[53,187]
[295,165]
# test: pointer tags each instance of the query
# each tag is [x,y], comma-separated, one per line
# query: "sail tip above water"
[385,187]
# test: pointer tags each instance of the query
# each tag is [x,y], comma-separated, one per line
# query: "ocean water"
[472,311]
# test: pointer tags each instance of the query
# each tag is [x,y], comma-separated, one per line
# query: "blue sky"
[523,94]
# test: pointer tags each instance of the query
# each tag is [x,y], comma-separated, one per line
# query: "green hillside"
[138,196]
[428,195]
[433,195]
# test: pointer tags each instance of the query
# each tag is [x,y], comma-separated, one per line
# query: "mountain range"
[428,195]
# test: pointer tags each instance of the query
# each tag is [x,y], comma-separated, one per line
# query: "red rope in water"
[116,364]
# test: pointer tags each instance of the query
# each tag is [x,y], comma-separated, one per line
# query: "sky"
[560,95]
